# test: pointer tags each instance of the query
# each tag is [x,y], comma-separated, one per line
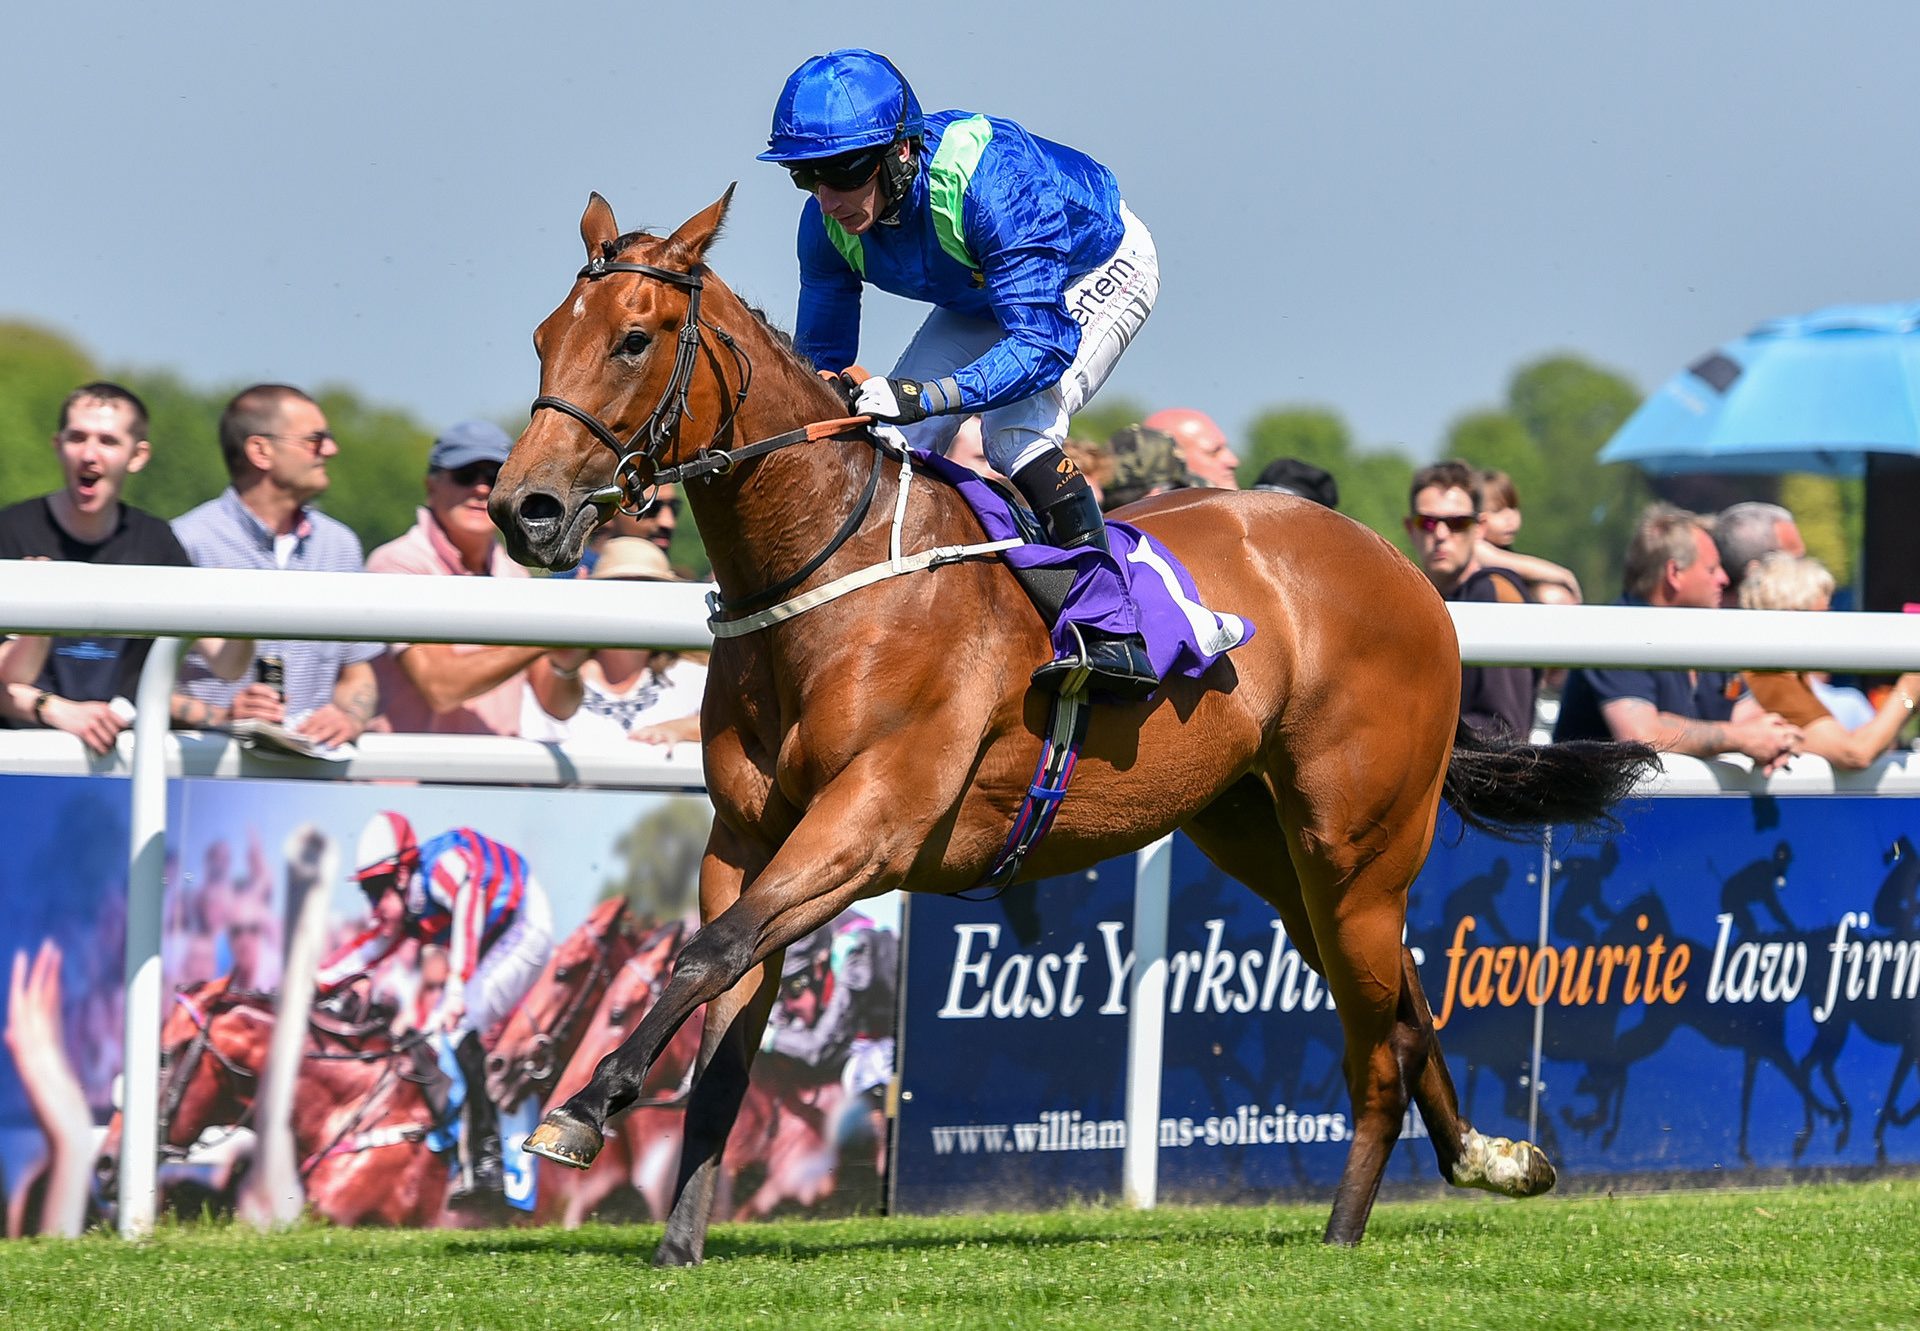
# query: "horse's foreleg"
[816,874]
[734,1023]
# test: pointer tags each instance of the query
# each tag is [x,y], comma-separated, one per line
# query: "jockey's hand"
[447,1016]
[905,401]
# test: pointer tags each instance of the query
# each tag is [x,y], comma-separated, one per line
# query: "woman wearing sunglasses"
[1038,274]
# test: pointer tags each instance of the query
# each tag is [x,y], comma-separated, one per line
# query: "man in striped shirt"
[479,900]
[277,444]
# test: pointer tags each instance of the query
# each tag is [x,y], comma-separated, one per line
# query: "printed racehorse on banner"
[886,738]
[780,1151]
[641,1156]
[540,1037]
[361,1112]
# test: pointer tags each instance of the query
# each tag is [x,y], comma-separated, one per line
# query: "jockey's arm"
[1023,256]
[358,955]
[827,330]
[458,880]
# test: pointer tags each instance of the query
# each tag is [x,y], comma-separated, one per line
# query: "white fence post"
[146,892]
[1146,1023]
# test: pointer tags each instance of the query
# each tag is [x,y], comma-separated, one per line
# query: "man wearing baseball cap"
[443,688]
[1145,462]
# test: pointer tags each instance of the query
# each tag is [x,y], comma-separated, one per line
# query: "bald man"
[1202,444]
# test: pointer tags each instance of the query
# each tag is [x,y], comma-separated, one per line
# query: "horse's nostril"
[496,1064]
[541,511]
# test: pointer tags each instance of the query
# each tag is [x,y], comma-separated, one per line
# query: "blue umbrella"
[1814,392]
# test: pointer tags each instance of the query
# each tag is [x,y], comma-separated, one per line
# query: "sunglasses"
[315,441]
[1457,523]
[476,473]
[849,171]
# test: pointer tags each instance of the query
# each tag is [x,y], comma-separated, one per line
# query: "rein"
[661,431]
[536,1065]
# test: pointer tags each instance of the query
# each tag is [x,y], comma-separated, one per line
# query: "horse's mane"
[613,249]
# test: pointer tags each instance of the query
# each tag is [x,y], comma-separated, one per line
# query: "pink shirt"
[425,549]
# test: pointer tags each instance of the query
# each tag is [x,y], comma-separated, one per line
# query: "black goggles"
[848,171]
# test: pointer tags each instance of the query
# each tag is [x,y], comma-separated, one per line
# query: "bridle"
[536,1065]
[181,1072]
[662,426]
[661,430]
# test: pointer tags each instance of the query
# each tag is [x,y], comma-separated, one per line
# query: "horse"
[886,738]
[360,1116]
[540,1037]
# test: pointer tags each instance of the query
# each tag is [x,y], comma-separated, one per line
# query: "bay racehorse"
[885,739]
[540,1037]
[360,1112]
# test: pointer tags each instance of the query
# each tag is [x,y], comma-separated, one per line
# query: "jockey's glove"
[905,401]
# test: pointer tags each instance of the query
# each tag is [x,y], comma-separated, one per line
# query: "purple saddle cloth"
[1158,599]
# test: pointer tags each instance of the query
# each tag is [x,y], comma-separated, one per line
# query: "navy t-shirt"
[90,669]
[1701,695]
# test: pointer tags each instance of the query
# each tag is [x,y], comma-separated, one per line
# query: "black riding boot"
[1117,665]
[482,1180]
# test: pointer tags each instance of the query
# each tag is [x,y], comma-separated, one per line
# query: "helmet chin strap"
[896,181]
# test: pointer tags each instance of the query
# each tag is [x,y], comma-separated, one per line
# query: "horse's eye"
[617,1017]
[564,974]
[634,343]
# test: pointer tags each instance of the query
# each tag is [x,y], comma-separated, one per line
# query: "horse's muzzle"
[541,529]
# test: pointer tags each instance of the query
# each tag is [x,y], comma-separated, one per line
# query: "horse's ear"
[597,227]
[698,231]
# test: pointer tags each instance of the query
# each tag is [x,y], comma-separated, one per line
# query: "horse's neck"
[335,1091]
[780,510]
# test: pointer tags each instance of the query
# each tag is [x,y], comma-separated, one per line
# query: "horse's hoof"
[565,1140]
[1499,1164]
[675,1254]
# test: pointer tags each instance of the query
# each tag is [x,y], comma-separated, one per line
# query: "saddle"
[1046,587]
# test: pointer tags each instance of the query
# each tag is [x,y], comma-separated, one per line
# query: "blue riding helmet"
[841,102]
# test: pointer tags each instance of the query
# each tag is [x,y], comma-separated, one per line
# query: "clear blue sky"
[1381,208]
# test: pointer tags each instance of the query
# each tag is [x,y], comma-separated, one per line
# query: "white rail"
[52,597]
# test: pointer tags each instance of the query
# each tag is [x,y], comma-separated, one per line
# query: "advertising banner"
[1729,984]
[1013,1040]
[377,1120]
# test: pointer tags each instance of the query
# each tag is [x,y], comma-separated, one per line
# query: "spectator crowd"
[276,444]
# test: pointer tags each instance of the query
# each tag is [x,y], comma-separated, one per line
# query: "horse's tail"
[1508,788]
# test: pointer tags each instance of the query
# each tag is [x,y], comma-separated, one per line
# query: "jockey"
[479,900]
[1038,274]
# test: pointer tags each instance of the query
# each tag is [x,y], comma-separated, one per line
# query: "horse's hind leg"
[1353,939]
[1466,1158]
[1343,903]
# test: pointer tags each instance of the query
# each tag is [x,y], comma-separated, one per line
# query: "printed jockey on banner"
[479,900]
[1039,275]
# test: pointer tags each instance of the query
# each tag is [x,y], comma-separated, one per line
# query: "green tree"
[38,368]
[1373,491]
[1497,440]
[1579,513]
[1312,434]
[184,428]
[1829,513]
[1099,421]
[379,478]
[662,851]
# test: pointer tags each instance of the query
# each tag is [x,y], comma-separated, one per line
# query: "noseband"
[662,427]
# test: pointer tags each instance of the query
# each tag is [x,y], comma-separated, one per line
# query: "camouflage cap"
[1143,460]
